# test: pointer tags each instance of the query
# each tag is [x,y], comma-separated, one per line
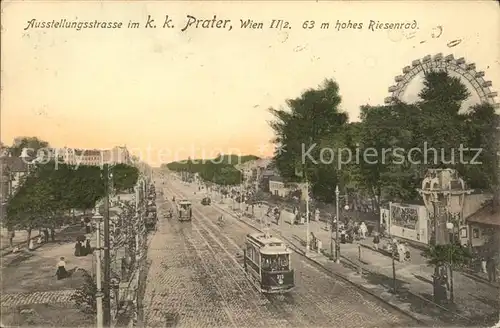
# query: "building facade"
[93,157]
[474,226]
[277,186]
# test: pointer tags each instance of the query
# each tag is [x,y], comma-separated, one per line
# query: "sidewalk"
[476,301]
[30,292]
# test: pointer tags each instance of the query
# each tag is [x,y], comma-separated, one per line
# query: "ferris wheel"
[449,64]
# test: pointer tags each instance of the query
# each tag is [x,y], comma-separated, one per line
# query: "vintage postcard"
[250,164]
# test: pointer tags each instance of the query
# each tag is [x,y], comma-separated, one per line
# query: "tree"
[446,257]
[49,190]
[27,142]
[301,128]
[209,170]
[124,176]
[387,135]
[481,124]
[86,187]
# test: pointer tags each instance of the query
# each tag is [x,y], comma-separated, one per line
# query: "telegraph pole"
[107,257]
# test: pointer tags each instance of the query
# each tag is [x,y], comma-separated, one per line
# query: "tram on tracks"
[184,210]
[267,263]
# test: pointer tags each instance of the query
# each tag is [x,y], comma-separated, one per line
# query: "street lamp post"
[337,245]
[450,227]
[99,294]
[107,255]
[241,190]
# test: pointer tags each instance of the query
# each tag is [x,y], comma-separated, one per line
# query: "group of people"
[87,223]
[81,249]
[350,231]
[399,248]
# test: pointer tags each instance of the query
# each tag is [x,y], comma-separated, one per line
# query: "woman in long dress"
[61,272]
[78,249]
[88,248]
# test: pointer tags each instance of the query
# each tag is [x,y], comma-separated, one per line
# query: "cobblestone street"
[30,292]
[196,280]
[16,299]
[477,302]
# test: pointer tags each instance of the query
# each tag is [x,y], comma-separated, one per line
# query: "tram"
[184,210]
[267,263]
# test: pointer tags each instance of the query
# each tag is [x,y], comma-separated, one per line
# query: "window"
[275,262]
[475,233]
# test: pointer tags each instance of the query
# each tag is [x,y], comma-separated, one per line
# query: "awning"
[486,215]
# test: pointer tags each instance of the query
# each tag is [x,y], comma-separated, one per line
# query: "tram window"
[250,252]
[275,262]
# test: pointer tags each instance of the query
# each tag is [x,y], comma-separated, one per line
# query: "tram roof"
[269,245]
[263,239]
[184,202]
[275,250]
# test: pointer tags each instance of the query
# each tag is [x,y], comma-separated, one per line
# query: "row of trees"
[396,145]
[220,170]
[314,121]
[50,191]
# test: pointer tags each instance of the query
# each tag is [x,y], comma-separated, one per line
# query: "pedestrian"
[31,245]
[88,248]
[376,240]
[316,215]
[401,251]
[78,249]
[343,236]
[61,272]
[12,234]
[363,230]
[483,264]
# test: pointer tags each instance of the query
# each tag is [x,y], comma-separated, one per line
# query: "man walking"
[491,268]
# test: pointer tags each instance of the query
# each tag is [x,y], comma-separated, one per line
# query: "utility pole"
[337,245]
[107,257]
[241,189]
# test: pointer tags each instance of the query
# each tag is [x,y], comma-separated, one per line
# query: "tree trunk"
[452,294]
[29,235]
[439,285]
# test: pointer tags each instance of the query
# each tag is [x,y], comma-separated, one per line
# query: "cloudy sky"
[203,91]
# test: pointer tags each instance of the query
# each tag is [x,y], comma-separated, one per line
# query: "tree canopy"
[27,142]
[51,189]
[124,176]
[220,170]
[386,154]
[302,128]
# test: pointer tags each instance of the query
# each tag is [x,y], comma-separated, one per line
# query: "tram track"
[298,309]
[280,316]
[312,304]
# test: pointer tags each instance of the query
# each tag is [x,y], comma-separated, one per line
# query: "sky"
[169,94]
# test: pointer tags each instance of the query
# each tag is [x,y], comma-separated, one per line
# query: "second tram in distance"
[267,263]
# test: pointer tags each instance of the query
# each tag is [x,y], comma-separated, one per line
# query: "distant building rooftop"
[486,215]
[276,178]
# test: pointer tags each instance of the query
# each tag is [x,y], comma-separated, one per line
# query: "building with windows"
[93,157]
[277,186]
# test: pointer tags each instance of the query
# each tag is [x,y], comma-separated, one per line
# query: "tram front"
[277,275]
